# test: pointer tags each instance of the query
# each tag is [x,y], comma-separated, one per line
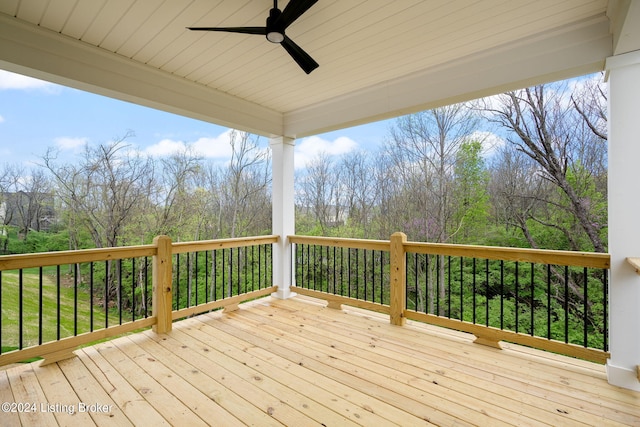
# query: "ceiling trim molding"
[625,25]
[47,55]
[564,53]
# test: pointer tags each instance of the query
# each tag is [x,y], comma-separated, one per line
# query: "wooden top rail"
[207,245]
[540,256]
[43,259]
[376,245]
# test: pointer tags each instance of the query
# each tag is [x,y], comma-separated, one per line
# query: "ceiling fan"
[277,23]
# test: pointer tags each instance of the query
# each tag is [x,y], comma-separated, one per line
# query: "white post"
[624,211]
[283,211]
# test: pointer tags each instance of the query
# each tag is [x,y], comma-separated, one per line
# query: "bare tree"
[540,121]
[320,191]
[357,190]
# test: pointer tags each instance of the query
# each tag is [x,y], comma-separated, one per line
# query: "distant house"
[27,210]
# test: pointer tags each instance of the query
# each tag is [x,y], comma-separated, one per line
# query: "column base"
[283,294]
[622,377]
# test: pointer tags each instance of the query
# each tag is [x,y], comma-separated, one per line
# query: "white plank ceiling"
[378,58]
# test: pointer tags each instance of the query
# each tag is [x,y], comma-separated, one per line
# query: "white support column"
[283,211]
[624,211]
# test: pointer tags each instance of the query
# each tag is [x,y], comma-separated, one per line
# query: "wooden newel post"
[398,278]
[162,285]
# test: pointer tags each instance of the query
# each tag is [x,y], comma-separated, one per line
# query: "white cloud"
[1,119]
[489,140]
[68,143]
[217,147]
[19,82]
[312,146]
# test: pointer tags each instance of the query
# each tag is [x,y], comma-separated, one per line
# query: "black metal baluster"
[426,283]
[91,297]
[177,298]
[20,309]
[215,275]
[437,292]
[415,281]
[548,301]
[224,271]
[381,277]
[75,301]
[349,271]
[461,289]
[76,267]
[334,270]
[532,300]
[566,304]
[106,294]
[318,265]
[449,287]
[474,292]
[364,262]
[146,282]
[342,271]
[238,269]
[196,282]
[133,289]
[486,292]
[517,284]
[40,306]
[206,276]
[501,294]
[119,292]
[585,307]
[188,273]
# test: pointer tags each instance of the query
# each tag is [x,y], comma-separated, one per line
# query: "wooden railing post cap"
[400,235]
[160,238]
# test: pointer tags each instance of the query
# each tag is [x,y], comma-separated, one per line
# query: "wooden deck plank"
[271,405]
[349,376]
[560,373]
[246,412]
[493,382]
[164,402]
[26,391]
[10,419]
[411,383]
[61,397]
[206,408]
[90,391]
[297,384]
[335,391]
[296,362]
[461,386]
[128,399]
[262,380]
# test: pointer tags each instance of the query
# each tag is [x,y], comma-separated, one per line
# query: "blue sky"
[36,115]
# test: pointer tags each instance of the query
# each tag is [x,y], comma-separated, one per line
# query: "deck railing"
[54,302]
[553,300]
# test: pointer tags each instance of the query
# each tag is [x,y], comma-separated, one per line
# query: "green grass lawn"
[9,332]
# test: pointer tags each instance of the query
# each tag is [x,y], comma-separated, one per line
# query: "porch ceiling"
[378,59]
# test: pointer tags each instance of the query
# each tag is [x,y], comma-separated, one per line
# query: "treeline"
[542,184]
[112,195]
[436,178]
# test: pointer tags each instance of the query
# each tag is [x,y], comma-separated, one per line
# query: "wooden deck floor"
[298,363]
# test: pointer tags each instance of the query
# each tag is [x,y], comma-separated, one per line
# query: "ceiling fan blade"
[292,11]
[244,30]
[303,59]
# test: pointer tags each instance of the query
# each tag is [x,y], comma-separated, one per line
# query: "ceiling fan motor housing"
[275,32]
